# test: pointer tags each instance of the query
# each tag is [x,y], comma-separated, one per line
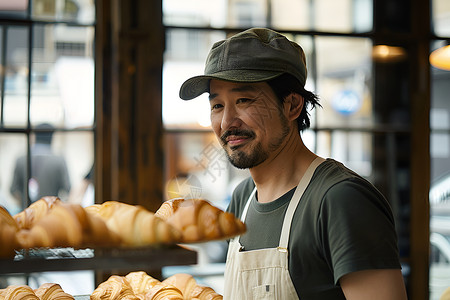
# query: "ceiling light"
[440,58]
[384,53]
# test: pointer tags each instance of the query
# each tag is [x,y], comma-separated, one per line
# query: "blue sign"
[346,102]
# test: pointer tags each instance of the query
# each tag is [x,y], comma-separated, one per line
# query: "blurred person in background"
[49,174]
[315,229]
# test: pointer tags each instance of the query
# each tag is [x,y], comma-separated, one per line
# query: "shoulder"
[349,201]
[342,191]
[334,179]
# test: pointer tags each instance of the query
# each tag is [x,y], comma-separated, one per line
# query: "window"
[47,93]
[47,112]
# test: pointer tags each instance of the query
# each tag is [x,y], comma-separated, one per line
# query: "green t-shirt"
[342,224]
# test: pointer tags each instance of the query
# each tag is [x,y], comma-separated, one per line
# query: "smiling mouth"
[236,141]
[236,138]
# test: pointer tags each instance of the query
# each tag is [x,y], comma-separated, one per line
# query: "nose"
[230,118]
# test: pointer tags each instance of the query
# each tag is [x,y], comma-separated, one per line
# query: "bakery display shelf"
[69,259]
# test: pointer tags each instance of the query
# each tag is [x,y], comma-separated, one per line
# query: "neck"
[283,171]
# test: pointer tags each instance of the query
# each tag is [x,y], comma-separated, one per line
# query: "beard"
[242,159]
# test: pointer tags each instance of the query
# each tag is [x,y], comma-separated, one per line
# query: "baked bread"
[115,288]
[198,220]
[163,291]
[167,208]
[140,285]
[33,213]
[67,225]
[135,225]
[141,282]
[52,291]
[8,234]
[186,283]
[190,289]
[59,228]
[16,292]
[204,293]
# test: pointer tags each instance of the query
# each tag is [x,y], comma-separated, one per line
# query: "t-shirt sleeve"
[357,229]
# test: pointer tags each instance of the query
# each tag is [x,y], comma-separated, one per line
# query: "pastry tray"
[125,259]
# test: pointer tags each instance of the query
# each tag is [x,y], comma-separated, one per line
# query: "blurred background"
[100,80]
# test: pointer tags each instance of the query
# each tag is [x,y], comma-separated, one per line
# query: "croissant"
[204,293]
[167,208]
[33,213]
[198,220]
[163,291]
[8,234]
[135,225]
[14,292]
[116,287]
[59,228]
[141,282]
[186,283]
[68,225]
[96,232]
[52,291]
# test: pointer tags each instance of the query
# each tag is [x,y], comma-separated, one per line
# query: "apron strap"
[285,230]
[244,212]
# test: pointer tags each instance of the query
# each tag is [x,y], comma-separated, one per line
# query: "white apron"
[263,273]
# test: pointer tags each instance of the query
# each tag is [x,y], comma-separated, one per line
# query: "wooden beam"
[420,145]
[129,139]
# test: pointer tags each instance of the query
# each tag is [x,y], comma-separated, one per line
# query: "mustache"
[237,132]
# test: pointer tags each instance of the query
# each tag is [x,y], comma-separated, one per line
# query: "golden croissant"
[59,228]
[33,213]
[67,225]
[135,225]
[198,220]
[163,291]
[140,285]
[141,282]
[52,291]
[8,234]
[204,293]
[187,284]
[116,287]
[15,292]
[167,208]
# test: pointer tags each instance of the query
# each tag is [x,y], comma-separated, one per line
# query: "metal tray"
[106,259]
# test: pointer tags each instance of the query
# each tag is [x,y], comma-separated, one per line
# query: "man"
[49,174]
[315,229]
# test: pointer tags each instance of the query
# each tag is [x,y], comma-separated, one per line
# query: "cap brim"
[197,85]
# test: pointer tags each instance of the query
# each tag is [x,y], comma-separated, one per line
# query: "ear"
[293,105]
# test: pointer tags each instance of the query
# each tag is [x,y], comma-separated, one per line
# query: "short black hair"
[286,84]
[44,133]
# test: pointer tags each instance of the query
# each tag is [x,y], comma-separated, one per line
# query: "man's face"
[248,121]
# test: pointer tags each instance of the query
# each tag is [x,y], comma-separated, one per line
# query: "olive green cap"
[254,55]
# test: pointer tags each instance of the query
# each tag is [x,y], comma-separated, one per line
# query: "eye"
[216,106]
[244,100]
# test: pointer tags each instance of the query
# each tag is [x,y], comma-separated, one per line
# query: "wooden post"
[420,146]
[129,55]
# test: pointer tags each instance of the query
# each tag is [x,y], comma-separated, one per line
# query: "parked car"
[439,277]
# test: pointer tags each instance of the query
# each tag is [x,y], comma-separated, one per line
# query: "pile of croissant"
[141,286]
[133,286]
[50,222]
[47,291]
